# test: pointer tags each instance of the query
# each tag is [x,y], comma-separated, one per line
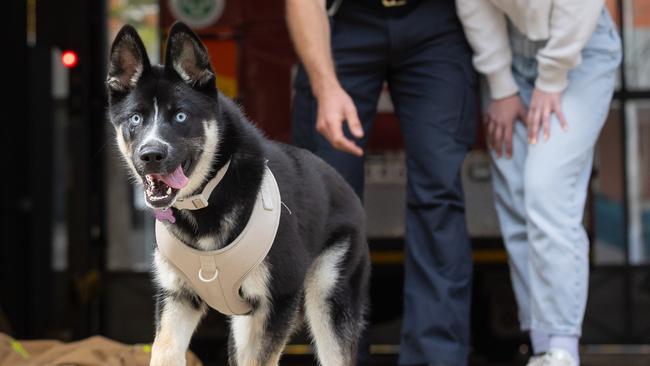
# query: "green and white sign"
[197,13]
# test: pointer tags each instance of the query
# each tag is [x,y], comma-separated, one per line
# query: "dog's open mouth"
[160,189]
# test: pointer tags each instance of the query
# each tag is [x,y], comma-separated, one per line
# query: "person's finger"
[348,146]
[561,118]
[546,122]
[490,132]
[507,137]
[353,121]
[534,116]
[339,141]
[529,122]
[529,119]
[498,140]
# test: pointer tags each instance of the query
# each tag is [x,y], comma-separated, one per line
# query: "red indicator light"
[69,59]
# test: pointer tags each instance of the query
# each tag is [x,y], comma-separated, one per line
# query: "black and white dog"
[175,130]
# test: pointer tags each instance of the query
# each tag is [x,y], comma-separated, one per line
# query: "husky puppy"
[175,130]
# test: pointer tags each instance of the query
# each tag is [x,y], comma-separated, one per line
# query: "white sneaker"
[558,357]
[536,360]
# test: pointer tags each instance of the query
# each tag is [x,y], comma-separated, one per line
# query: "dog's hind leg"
[335,301]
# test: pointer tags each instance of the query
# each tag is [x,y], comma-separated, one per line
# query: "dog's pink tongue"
[176,179]
[165,214]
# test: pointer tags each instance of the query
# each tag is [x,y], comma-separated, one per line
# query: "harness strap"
[199,201]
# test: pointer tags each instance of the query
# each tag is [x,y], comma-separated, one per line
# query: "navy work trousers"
[421,52]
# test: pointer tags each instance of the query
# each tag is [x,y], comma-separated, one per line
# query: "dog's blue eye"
[181,117]
[135,119]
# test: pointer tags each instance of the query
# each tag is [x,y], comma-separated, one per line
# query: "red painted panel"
[256,11]
[267,63]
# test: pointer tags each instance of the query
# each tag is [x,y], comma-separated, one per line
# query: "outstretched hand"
[334,107]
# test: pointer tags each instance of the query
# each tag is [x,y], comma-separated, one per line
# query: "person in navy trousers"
[418,47]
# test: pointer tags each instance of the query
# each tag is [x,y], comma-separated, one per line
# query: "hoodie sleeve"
[486,30]
[571,25]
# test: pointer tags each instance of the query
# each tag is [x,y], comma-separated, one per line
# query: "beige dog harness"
[216,276]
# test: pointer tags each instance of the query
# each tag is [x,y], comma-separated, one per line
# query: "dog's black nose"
[152,154]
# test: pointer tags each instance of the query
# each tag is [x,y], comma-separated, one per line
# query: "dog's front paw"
[162,358]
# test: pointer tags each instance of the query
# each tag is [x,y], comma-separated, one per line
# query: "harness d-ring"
[214,276]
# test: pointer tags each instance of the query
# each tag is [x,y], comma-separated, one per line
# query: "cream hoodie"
[566,24]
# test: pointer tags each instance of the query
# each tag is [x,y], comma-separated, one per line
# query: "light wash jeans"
[540,193]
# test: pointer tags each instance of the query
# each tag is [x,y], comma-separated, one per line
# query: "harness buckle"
[393,3]
[196,202]
[200,202]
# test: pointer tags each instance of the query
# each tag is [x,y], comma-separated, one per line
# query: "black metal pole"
[628,303]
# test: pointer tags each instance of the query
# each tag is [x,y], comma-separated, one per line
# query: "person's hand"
[542,104]
[500,120]
[334,107]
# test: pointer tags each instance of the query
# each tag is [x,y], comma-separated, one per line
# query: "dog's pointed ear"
[187,56]
[128,60]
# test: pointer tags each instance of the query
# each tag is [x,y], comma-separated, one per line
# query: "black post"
[28,143]
[25,250]
[628,302]
[86,34]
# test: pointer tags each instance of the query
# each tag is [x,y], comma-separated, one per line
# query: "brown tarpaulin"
[93,351]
